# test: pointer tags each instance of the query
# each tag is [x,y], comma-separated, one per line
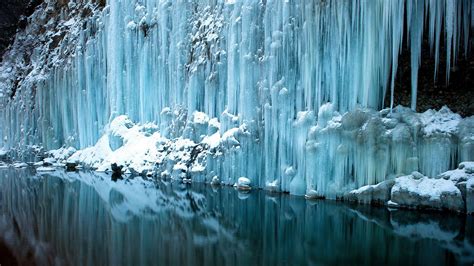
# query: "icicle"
[416,38]
[450,34]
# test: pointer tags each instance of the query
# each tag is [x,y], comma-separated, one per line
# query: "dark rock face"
[13,14]
[433,93]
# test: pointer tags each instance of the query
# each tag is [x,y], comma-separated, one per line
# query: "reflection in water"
[86,218]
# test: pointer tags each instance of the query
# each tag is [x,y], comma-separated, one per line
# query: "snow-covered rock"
[439,122]
[49,161]
[375,194]
[140,149]
[243,183]
[215,181]
[45,169]
[273,185]
[452,190]
[61,154]
[313,194]
[414,192]
[468,167]
[20,165]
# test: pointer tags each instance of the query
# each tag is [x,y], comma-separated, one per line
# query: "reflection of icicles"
[69,213]
[106,220]
[451,232]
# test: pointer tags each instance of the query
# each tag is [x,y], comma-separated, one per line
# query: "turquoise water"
[89,219]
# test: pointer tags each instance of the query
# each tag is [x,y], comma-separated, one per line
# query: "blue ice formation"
[271,65]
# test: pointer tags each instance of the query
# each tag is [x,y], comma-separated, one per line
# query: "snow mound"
[452,190]
[443,121]
[375,194]
[141,149]
[243,183]
[417,191]
[134,147]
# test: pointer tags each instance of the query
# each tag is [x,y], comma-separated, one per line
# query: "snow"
[19,165]
[215,181]
[273,185]
[138,150]
[243,183]
[464,172]
[131,25]
[468,167]
[200,118]
[425,187]
[313,194]
[70,22]
[213,141]
[49,161]
[45,169]
[62,153]
[452,190]
[392,204]
[440,122]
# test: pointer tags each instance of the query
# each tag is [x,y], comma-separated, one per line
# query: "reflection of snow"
[430,230]
[128,198]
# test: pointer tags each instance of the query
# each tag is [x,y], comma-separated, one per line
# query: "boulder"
[243,183]
[426,193]
[375,194]
[313,194]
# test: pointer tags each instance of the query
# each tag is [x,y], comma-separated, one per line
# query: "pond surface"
[89,219]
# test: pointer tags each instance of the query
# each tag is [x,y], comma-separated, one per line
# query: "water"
[87,218]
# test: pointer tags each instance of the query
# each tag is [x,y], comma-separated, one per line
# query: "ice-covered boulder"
[313,194]
[468,167]
[375,194]
[215,181]
[413,191]
[243,183]
[451,190]
[273,185]
[20,165]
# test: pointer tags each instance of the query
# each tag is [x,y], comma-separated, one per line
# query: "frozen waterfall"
[270,67]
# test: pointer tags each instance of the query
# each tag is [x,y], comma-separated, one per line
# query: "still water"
[88,219]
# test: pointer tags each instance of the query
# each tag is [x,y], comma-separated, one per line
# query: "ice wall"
[268,65]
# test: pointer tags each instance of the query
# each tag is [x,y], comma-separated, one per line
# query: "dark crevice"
[13,16]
